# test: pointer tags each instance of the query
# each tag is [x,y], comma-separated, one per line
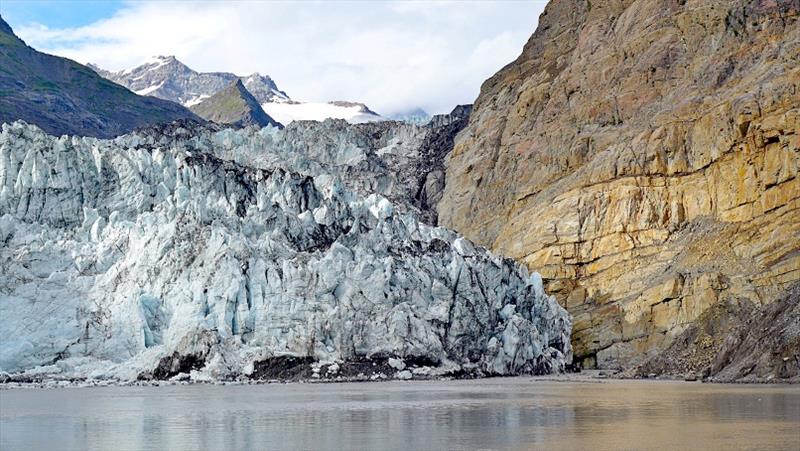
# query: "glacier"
[289,111]
[204,254]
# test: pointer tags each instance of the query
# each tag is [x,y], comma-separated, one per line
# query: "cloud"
[391,55]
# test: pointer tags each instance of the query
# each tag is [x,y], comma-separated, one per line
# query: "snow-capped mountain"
[167,78]
[352,112]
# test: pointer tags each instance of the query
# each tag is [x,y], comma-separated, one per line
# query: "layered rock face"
[158,253]
[643,155]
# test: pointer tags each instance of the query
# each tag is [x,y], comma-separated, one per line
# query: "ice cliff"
[218,253]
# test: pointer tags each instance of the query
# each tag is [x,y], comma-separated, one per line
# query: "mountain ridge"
[64,97]
[168,78]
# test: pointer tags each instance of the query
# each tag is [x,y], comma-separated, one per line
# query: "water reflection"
[489,414]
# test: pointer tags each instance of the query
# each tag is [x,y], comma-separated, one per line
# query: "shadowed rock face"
[643,155]
[235,106]
[162,252]
[64,97]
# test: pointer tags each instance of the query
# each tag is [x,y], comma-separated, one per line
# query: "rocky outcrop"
[459,114]
[361,108]
[64,97]
[235,106]
[158,255]
[643,155]
[736,341]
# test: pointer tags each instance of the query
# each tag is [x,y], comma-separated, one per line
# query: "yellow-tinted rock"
[643,156]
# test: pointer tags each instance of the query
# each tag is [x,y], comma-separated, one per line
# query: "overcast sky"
[390,55]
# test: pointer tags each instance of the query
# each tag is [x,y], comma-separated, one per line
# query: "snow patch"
[149,89]
[286,113]
[156,62]
[195,100]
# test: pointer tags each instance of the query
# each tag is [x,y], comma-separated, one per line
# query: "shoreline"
[586,376]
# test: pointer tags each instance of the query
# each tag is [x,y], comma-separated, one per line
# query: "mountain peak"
[5,27]
[234,105]
[162,60]
[238,85]
[10,37]
[415,115]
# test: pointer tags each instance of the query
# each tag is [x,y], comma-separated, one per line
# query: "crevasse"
[230,248]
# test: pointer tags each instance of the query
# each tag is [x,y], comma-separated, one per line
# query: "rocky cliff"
[161,254]
[64,97]
[643,155]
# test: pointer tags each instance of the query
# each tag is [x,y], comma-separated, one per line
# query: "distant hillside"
[234,105]
[64,97]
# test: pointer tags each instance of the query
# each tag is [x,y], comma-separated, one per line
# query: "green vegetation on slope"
[234,105]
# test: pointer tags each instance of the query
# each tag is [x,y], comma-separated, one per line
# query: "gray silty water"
[514,413]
